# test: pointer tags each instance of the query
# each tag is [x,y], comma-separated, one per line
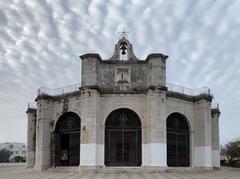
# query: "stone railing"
[187,91]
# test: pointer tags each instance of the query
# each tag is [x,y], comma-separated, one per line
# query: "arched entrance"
[177,141]
[123,139]
[66,141]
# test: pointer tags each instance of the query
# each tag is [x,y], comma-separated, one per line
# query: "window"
[11,146]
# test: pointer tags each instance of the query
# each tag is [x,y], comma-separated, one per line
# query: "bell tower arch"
[123,50]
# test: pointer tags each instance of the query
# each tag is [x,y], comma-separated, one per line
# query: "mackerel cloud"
[40,42]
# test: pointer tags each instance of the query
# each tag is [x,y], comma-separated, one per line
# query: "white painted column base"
[216,158]
[30,159]
[154,154]
[203,157]
[91,154]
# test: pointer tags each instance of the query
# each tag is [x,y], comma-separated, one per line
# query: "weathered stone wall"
[156,71]
[43,134]
[143,91]
[143,73]
[153,108]
[106,74]
[198,115]
[89,71]
[215,138]
[156,111]
[203,134]
[186,108]
[31,135]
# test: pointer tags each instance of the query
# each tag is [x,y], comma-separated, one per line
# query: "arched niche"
[123,140]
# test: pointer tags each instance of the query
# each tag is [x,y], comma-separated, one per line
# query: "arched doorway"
[66,141]
[123,139]
[177,141]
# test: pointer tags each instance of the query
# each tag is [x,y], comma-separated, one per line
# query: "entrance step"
[179,169]
[107,169]
[65,169]
[122,169]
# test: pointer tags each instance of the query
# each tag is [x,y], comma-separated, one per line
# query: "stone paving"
[20,172]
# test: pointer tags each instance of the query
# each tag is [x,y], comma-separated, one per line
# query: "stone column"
[215,138]
[89,146]
[156,100]
[31,136]
[156,69]
[202,135]
[43,134]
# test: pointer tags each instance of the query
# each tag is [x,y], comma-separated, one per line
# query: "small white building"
[123,114]
[17,149]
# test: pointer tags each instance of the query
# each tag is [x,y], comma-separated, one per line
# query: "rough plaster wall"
[202,116]
[137,103]
[106,75]
[156,72]
[74,105]
[43,131]
[139,75]
[156,116]
[31,139]
[184,107]
[187,109]
[215,132]
[86,107]
[89,117]
[89,71]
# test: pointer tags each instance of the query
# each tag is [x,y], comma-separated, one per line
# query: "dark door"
[124,148]
[66,141]
[177,141]
[123,139]
[74,149]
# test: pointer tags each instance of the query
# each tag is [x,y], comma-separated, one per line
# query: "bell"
[123,48]
[123,52]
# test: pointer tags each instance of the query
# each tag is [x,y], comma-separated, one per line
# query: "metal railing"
[171,87]
[59,91]
[32,105]
[215,105]
[187,91]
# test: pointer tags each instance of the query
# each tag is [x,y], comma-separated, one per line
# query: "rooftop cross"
[123,34]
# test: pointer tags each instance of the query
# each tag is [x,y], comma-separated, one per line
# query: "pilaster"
[43,134]
[31,135]
[156,100]
[215,138]
[203,135]
[89,148]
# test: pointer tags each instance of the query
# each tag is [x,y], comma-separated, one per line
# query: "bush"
[4,155]
[232,151]
[236,164]
[19,159]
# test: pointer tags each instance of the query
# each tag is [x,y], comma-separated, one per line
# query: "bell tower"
[123,49]
[123,72]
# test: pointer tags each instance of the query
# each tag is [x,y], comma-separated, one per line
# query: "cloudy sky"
[40,42]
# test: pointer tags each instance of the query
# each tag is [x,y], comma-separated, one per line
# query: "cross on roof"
[123,34]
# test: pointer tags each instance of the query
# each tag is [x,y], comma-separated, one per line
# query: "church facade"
[123,114]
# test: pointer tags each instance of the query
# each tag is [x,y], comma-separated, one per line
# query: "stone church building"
[123,115]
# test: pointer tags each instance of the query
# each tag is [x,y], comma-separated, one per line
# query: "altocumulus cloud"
[40,42]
